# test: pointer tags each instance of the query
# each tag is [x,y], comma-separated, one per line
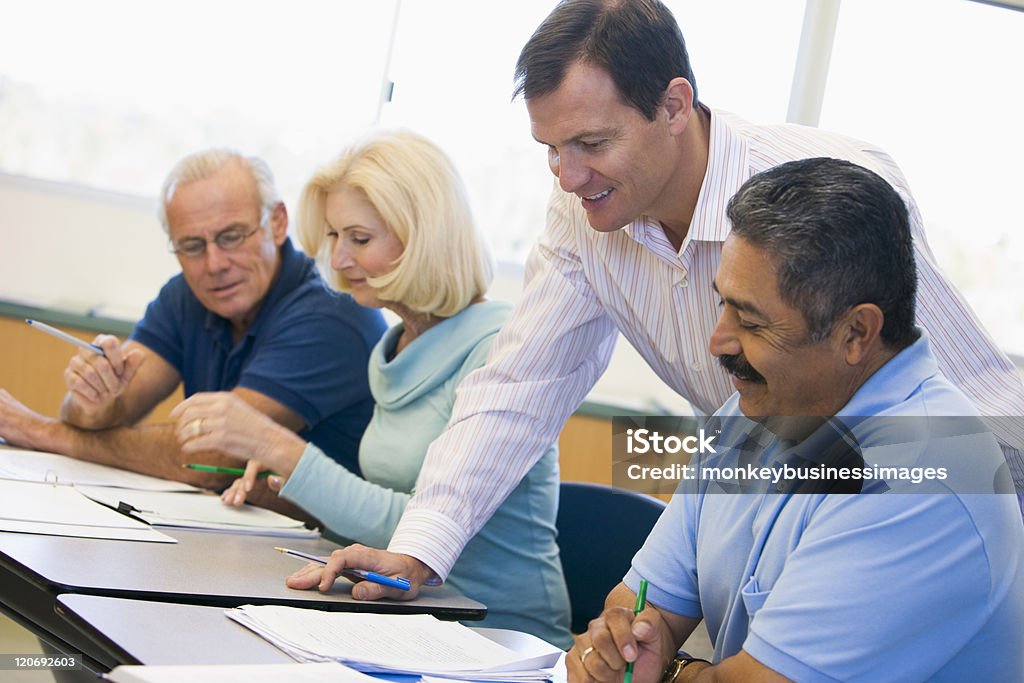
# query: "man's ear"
[677,104]
[861,329]
[279,223]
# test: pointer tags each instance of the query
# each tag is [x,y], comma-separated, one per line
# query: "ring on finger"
[197,428]
[583,657]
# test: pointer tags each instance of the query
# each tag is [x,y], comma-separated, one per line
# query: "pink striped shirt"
[584,286]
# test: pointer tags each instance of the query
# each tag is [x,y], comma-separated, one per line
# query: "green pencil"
[237,471]
[641,602]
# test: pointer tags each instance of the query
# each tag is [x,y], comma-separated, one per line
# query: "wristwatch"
[680,662]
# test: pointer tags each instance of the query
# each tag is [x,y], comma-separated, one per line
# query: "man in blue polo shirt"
[248,314]
[920,575]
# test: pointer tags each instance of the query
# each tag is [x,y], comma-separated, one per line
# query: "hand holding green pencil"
[612,642]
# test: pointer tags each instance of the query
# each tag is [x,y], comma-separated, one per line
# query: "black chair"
[600,528]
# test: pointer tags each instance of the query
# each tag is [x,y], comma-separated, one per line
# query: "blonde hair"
[413,185]
[206,163]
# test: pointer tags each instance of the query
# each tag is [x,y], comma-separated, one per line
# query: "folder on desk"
[24,465]
[40,508]
[198,511]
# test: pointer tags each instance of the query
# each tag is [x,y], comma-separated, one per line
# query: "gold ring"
[197,428]
[583,657]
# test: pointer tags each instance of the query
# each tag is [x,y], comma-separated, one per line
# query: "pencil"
[641,602]
[43,327]
[237,471]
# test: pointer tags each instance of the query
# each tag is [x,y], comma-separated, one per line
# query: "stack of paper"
[396,644]
[60,469]
[38,508]
[202,511]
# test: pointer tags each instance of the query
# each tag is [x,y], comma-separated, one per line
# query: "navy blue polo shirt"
[308,349]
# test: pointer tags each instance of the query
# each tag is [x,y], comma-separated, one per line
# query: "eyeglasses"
[226,240]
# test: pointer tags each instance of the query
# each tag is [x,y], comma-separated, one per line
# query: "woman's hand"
[225,423]
[241,487]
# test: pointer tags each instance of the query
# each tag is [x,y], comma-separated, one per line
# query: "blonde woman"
[391,220]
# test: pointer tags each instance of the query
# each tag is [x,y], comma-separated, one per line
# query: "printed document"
[60,469]
[395,644]
[38,508]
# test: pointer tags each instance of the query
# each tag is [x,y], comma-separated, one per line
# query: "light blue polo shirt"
[897,586]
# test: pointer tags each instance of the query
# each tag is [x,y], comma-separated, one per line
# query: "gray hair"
[206,163]
[840,236]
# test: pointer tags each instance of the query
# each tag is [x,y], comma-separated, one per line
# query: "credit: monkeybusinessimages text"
[785,473]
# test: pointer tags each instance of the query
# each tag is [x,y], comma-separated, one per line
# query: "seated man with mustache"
[924,581]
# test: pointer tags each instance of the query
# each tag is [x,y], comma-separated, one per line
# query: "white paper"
[30,507]
[147,534]
[383,643]
[329,672]
[38,466]
[199,511]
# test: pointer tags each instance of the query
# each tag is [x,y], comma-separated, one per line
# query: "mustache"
[740,368]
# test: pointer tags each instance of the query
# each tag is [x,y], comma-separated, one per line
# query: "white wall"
[82,250]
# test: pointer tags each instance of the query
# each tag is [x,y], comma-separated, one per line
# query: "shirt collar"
[894,382]
[727,170]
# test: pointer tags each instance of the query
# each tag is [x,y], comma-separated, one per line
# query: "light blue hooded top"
[512,564]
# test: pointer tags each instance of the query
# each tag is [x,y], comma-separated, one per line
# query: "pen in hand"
[353,574]
[641,602]
[43,327]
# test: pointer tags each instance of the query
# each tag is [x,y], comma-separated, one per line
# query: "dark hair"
[638,43]
[840,236]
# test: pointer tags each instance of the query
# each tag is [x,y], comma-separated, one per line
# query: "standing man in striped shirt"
[634,236]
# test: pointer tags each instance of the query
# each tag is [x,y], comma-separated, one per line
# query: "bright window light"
[937,84]
[111,93]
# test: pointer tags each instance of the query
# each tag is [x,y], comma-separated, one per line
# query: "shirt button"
[697,365]
[684,282]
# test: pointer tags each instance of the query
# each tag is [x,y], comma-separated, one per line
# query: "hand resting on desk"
[358,556]
[19,423]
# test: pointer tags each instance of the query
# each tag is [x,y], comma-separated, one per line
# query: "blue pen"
[357,574]
[43,327]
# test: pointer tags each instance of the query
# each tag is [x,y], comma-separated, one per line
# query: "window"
[111,93]
[936,83]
